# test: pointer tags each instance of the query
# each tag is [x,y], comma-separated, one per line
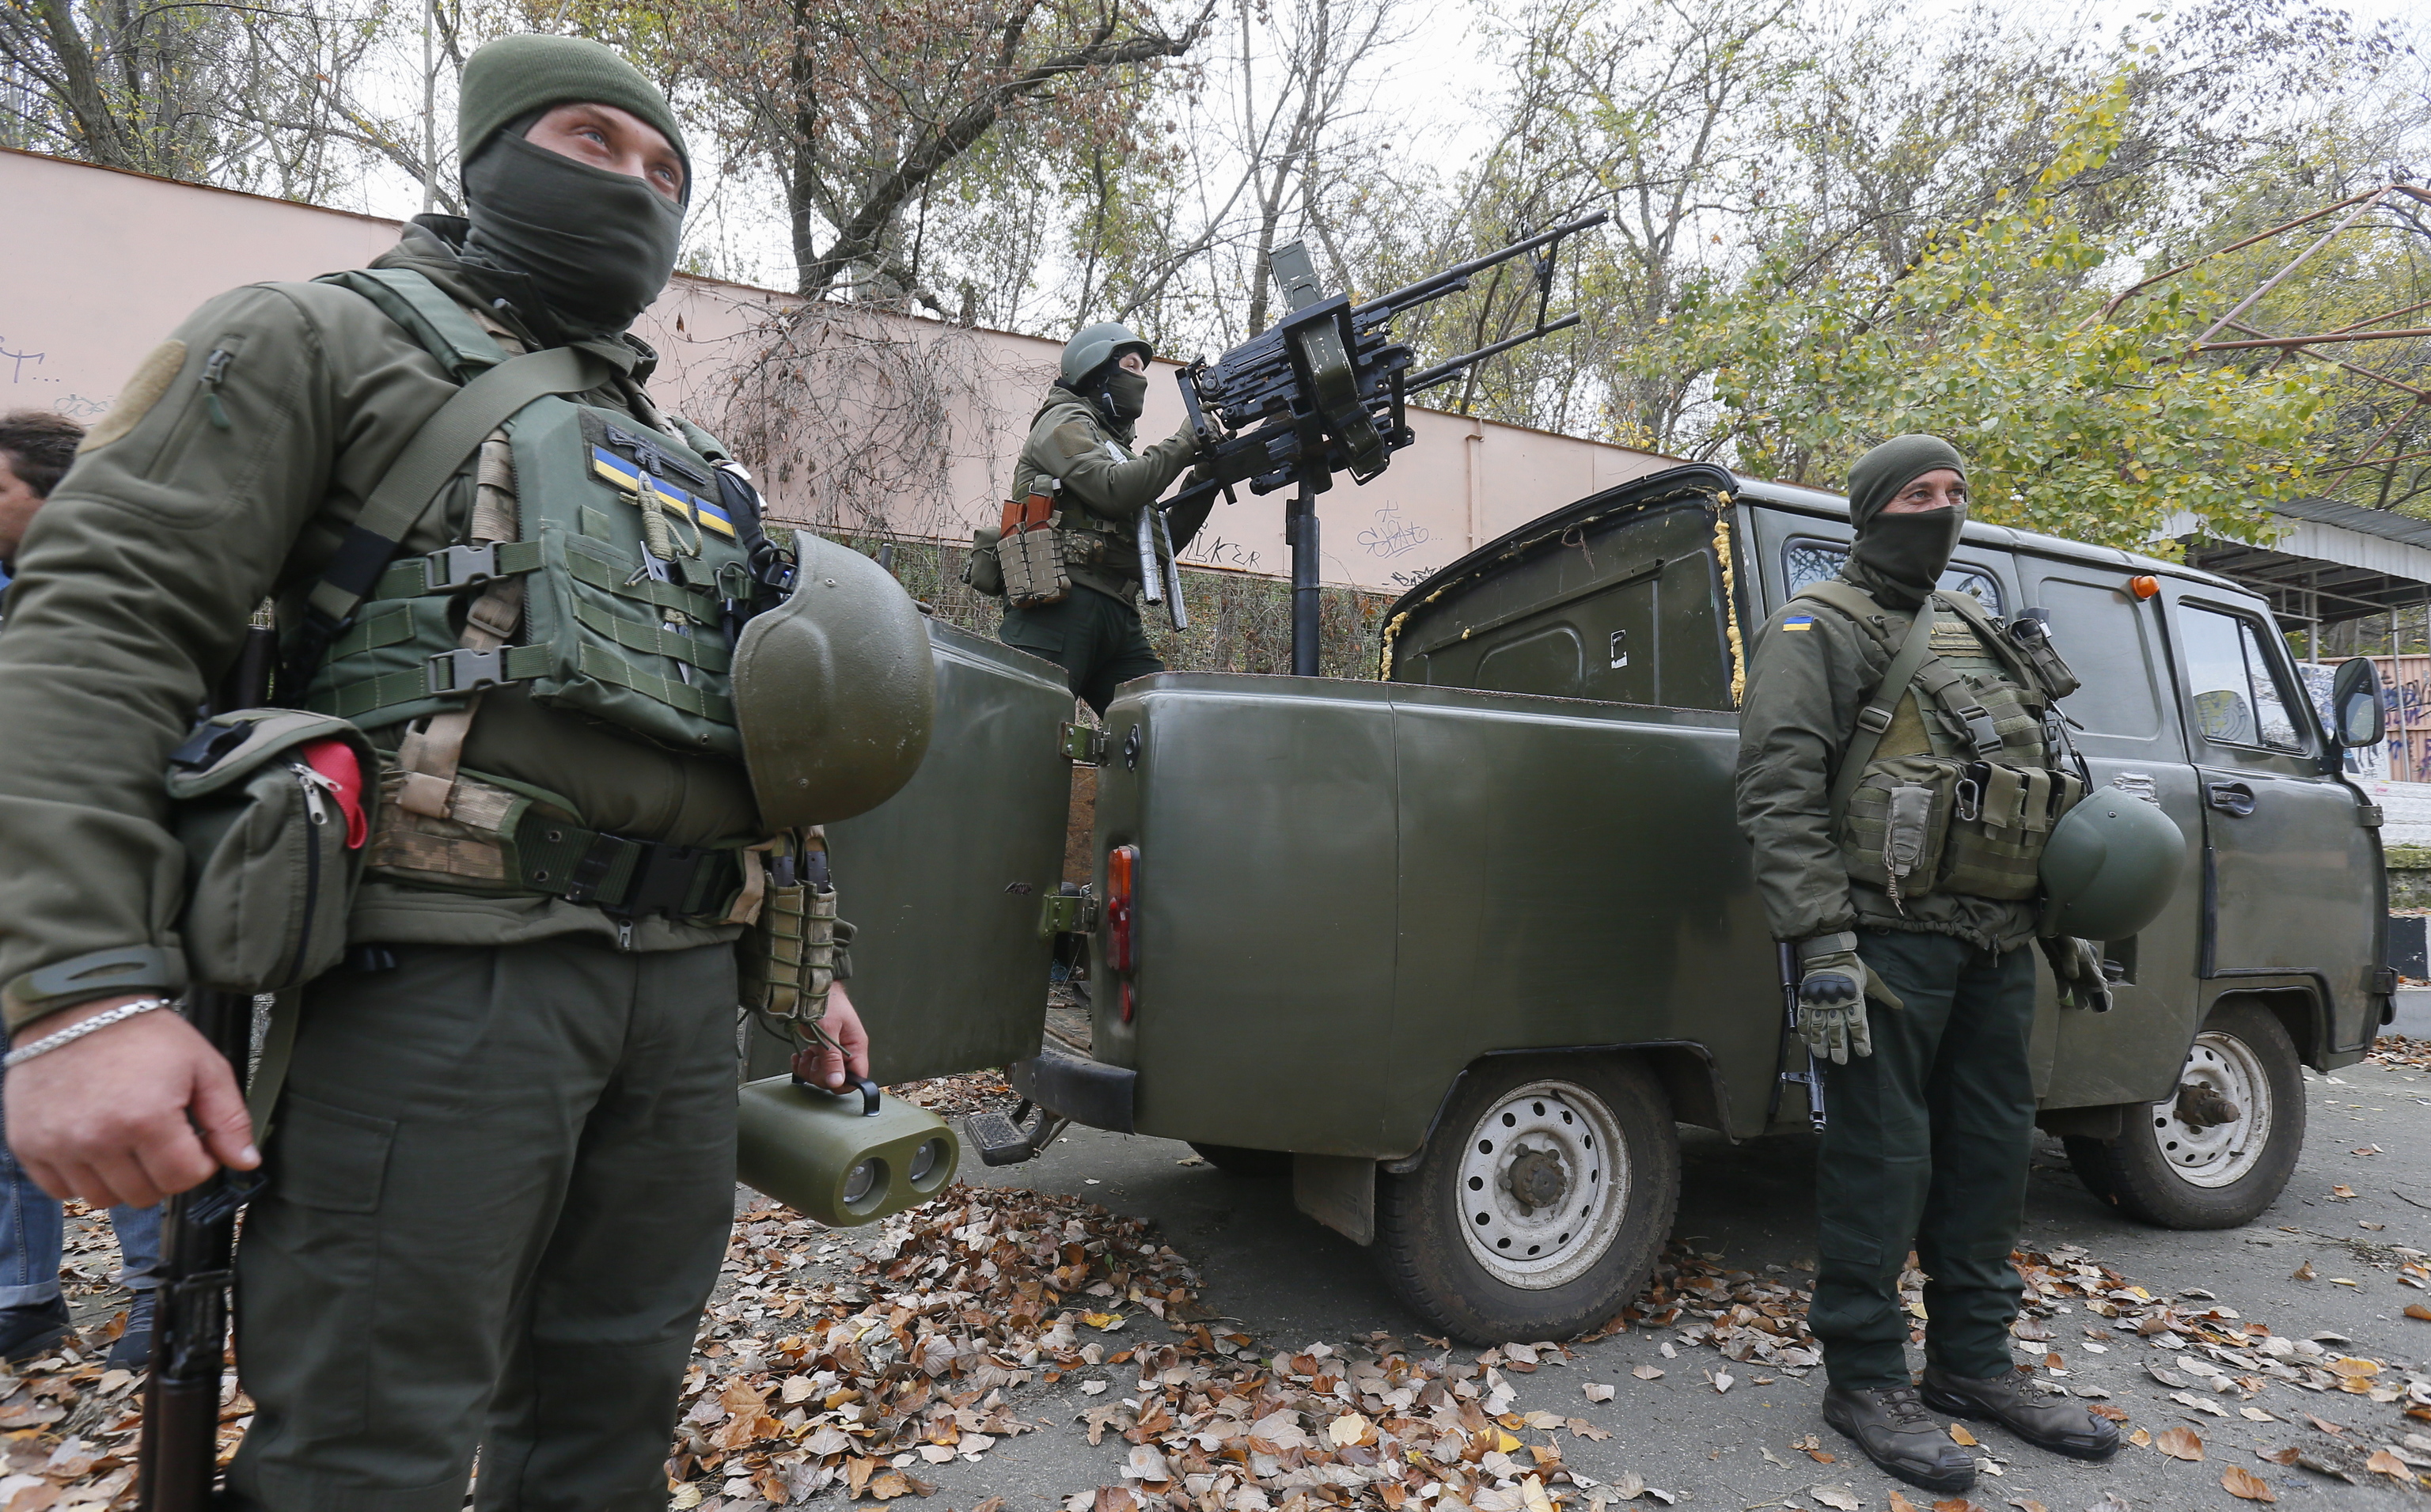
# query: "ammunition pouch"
[270,871]
[1033,564]
[1917,825]
[796,949]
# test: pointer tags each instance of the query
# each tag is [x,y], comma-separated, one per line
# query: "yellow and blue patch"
[628,478]
[1798,622]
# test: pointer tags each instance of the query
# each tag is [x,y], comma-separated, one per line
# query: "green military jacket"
[229,472]
[1105,486]
[1804,688]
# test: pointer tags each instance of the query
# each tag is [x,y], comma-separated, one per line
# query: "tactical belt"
[625,878]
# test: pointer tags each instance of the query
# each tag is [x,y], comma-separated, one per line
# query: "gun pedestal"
[1299,527]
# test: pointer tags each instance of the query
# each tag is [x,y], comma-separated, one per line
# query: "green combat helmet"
[1093,347]
[835,690]
[2111,864]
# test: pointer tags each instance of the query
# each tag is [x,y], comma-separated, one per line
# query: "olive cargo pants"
[1927,1141]
[501,1183]
[1094,637]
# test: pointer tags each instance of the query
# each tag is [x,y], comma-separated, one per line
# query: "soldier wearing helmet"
[1080,454]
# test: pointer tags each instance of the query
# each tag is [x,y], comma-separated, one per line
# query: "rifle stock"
[178,1457]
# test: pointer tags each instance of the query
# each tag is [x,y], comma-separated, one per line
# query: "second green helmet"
[2111,866]
[1093,347]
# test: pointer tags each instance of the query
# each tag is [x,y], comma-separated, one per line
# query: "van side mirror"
[2357,715]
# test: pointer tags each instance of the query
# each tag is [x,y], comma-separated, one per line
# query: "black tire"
[1239,1160]
[2175,1174]
[1424,1219]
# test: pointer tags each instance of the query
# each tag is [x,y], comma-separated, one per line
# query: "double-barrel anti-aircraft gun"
[1322,390]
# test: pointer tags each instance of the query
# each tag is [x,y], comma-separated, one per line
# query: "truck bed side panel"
[1571,875]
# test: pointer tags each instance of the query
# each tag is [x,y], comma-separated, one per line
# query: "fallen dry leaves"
[2243,1484]
[2179,1443]
[2397,1049]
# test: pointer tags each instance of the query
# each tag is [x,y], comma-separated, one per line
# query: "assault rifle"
[1323,391]
[178,1457]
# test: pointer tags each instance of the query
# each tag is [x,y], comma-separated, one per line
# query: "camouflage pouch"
[796,949]
[1898,821]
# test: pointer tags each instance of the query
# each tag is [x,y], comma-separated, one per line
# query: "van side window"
[2096,629]
[2236,690]
[1806,559]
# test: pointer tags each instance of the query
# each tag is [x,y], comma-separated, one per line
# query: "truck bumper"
[1084,1091]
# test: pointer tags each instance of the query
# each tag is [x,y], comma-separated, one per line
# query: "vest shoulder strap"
[1915,650]
[429,314]
[1849,600]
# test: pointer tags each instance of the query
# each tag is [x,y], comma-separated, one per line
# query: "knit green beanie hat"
[1876,477]
[514,77]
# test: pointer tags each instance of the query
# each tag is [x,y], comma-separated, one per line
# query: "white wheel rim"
[1542,1185]
[2223,1153]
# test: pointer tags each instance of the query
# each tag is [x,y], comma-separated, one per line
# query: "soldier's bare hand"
[843,1024]
[128,1115]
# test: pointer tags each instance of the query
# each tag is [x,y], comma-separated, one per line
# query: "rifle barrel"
[1436,285]
[1445,372]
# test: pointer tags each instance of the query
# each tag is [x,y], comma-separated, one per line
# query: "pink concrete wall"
[100,266]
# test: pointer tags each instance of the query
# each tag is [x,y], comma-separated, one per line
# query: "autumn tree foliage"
[863,112]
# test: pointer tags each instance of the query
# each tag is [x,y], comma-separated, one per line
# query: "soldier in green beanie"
[1897,774]
[501,1169]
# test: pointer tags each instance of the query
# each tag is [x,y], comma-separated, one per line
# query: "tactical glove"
[1832,994]
[2077,964]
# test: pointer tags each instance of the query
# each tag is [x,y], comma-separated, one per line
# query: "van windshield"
[1806,559]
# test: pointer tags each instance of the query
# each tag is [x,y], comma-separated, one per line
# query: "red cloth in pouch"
[336,760]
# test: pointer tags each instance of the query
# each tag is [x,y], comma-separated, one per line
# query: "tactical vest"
[1951,781]
[1080,545]
[599,570]
[630,565]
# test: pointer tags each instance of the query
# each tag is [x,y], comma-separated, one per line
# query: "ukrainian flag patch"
[1798,622]
[628,478]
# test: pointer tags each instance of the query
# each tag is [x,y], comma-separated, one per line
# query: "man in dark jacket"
[502,1168]
[1931,1104]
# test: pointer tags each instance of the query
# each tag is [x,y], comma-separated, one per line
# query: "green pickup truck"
[1466,946]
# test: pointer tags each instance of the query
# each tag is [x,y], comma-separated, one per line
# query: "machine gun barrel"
[1446,371]
[1454,279]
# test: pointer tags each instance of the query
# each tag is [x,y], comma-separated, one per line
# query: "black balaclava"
[598,247]
[1126,393]
[1897,558]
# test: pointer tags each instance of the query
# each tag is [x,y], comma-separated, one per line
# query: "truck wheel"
[2217,1151]
[1240,1160]
[1541,1203]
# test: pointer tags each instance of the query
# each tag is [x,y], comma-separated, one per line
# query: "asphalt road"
[1292,1282]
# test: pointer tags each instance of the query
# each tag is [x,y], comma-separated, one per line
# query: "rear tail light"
[1121,864]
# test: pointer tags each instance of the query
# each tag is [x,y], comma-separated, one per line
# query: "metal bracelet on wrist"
[76,1032]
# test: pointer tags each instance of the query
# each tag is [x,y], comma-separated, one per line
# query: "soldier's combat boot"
[2057,1423]
[1900,1437]
[133,1351]
[29,1332]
